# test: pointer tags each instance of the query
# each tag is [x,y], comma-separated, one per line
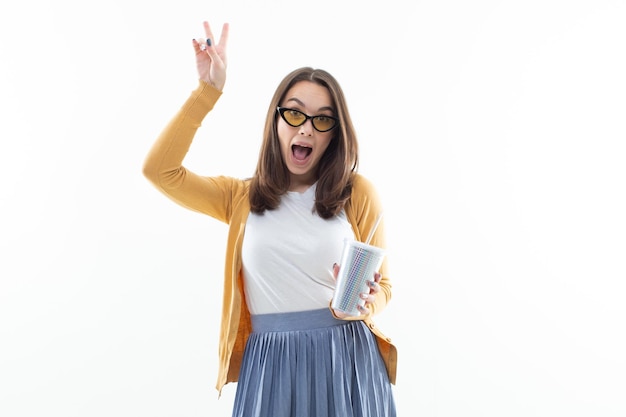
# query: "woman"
[288,351]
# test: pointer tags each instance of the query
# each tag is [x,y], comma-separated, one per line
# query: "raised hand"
[211,56]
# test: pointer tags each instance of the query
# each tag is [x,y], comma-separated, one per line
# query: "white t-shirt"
[288,255]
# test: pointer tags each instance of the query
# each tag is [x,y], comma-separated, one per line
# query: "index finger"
[207,30]
[223,36]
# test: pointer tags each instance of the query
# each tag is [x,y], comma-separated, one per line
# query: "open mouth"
[301,152]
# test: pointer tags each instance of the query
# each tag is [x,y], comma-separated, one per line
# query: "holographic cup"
[359,262]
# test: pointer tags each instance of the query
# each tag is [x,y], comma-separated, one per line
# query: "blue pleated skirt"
[309,364]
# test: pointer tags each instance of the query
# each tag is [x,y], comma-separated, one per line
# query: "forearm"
[163,164]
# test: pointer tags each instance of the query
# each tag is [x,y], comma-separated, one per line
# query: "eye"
[324,123]
[294,115]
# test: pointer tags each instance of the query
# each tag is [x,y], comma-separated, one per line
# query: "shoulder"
[364,199]
[362,187]
[363,208]
[234,197]
[229,188]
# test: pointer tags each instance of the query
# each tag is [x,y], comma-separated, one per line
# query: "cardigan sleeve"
[163,166]
[363,210]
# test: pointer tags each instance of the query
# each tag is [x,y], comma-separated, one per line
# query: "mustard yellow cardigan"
[226,199]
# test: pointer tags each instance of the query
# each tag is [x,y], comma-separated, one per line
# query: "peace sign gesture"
[211,57]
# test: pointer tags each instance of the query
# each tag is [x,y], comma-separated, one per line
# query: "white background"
[494,131]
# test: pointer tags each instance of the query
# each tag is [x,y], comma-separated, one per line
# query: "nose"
[306,128]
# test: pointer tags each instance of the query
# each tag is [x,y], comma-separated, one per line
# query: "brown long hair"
[336,168]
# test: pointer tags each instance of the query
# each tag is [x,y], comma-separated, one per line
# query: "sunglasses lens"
[293,117]
[323,123]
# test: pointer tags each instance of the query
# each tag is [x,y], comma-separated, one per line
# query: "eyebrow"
[302,104]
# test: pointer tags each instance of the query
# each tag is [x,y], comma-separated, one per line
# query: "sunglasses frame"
[282,110]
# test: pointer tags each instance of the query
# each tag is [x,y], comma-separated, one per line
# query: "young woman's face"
[302,147]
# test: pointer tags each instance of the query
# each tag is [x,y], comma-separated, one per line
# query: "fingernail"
[208,42]
[335,265]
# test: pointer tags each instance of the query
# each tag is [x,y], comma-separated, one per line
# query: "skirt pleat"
[309,364]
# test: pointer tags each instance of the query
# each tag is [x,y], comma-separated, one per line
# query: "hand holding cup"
[355,289]
[368,297]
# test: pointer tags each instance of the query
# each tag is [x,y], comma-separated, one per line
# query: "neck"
[300,184]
